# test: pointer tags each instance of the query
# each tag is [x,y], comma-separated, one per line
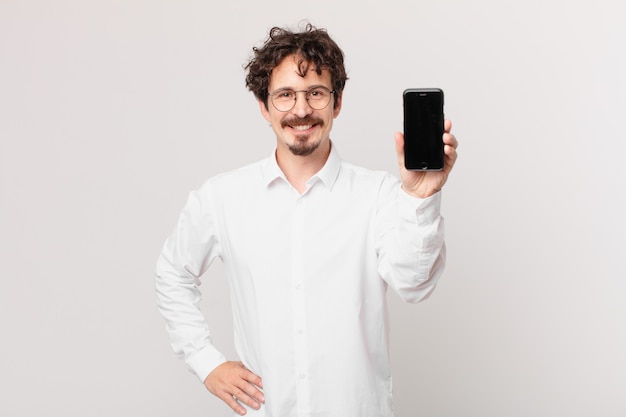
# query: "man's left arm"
[411,248]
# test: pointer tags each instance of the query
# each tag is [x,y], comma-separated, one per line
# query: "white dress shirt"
[308,275]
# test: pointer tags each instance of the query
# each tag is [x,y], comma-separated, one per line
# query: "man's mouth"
[302,125]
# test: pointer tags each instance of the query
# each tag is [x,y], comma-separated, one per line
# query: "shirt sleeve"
[410,242]
[186,255]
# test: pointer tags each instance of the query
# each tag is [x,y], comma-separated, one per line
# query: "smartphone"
[423,129]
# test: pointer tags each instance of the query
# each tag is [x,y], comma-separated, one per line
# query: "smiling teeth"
[302,127]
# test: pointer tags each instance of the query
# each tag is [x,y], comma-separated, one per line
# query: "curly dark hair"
[312,45]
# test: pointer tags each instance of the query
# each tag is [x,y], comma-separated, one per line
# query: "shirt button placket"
[299,307]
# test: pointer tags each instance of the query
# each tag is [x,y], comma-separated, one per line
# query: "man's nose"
[301,108]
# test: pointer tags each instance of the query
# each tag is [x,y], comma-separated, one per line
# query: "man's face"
[301,130]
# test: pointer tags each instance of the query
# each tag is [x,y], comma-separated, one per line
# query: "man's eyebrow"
[293,89]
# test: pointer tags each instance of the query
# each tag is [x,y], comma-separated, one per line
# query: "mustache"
[308,120]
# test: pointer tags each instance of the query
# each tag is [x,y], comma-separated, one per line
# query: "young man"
[310,244]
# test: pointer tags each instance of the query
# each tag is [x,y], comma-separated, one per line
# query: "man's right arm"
[186,255]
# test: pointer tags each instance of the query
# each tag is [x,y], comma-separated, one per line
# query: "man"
[310,244]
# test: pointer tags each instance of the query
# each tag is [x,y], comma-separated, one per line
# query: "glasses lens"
[284,100]
[318,97]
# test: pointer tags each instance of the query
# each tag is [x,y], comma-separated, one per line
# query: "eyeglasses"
[284,99]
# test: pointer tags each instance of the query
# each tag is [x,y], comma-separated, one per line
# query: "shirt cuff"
[204,361]
[420,210]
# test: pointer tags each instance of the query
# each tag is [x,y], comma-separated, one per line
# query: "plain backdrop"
[111,111]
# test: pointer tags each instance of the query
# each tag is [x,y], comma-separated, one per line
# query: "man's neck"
[299,169]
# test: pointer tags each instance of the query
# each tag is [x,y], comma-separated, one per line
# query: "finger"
[247,375]
[450,139]
[249,383]
[447,126]
[233,402]
[451,156]
[247,391]
[251,396]
[252,378]
[242,397]
[399,140]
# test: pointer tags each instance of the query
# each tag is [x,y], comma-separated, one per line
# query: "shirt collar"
[327,175]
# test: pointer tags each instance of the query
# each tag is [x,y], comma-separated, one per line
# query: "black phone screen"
[423,129]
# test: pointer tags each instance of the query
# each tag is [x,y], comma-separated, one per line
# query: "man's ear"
[337,104]
[264,111]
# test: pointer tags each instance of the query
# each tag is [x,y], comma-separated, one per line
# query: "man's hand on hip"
[234,384]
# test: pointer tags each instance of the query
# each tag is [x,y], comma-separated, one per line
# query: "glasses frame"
[331,94]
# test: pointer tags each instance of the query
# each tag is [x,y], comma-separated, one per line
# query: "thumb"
[399,140]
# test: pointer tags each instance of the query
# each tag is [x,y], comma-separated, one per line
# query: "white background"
[112,111]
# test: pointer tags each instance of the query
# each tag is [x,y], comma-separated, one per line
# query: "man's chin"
[303,147]
[303,150]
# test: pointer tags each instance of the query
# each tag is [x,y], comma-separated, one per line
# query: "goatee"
[302,147]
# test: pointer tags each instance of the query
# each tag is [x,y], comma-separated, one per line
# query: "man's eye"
[318,93]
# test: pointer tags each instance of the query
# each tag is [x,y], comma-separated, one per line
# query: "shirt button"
[302,375]
[298,286]
[299,331]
